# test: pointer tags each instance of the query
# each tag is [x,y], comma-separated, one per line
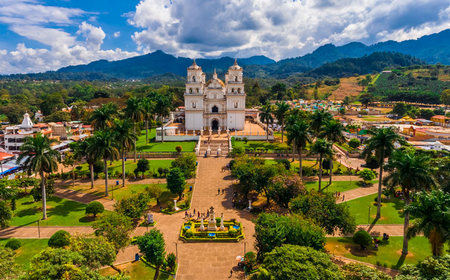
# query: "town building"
[214,104]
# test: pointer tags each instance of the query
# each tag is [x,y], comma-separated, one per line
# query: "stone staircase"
[214,144]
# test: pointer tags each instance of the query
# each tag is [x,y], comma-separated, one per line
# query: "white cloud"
[281,28]
[116,34]
[30,19]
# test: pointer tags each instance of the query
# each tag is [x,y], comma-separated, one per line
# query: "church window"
[236,104]
[239,90]
[232,90]
[193,79]
[190,90]
[197,90]
[194,105]
[236,78]
[215,109]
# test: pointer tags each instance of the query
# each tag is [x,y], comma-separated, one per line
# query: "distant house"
[439,120]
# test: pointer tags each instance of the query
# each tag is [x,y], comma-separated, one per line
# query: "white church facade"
[215,104]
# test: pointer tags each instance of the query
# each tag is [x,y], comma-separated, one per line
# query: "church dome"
[194,66]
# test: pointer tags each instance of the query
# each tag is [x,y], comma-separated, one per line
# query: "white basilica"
[214,104]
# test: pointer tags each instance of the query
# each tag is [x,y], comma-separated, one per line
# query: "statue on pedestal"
[202,226]
[212,220]
[222,227]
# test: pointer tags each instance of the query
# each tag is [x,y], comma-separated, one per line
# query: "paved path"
[84,197]
[357,193]
[29,232]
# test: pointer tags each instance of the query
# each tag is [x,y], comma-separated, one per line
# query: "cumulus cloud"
[116,34]
[279,29]
[45,24]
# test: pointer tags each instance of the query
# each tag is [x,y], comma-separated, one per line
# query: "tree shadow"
[28,212]
[86,219]
[400,261]
[65,208]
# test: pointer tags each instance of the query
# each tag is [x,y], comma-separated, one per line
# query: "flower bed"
[190,232]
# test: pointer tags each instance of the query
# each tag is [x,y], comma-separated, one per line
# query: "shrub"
[366,175]
[187,164]
[189,233]
[285,162]
[232,232]
[362,238]
[13,244]
[5,214]
[354,143]
[250,260]
[95,208]
[61,238]
[171,261]
[178,149]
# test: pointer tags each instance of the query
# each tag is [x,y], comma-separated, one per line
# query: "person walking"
[231,273]
[218,191]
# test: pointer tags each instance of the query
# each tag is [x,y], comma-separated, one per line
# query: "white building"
[214,104]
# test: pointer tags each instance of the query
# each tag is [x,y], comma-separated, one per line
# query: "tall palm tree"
[103,117]
[432,218]
[103,146]
[84,149]
[280,113]
[411,172]
[332,131]
[148,110]
[39,158]
[135,113]
[324,149]
[318,120]
[299,136]
[266,116]
[125,138]
[162,109]
[382,143]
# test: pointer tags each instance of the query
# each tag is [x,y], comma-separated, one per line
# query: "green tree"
[152,246]
[280,113]
[104,146]
[324,211]
[175,181]
[162,109]
[382,144]
[38,156]
[412,173]
[432,268]
[96,251]
[324,149]
[333,132]
[354,143]
[187,164]
[59,239]
[86,149]
[115,227]
[133,206]
[154,191]
[367,175]
[297,262]
[58,116]
[299,136]
[148,110]
[357,271]
[318,119]
[94,208]
[143,165]
[266,116]
[366,99]
[445,96]
[272,230]
[431,211]
[9,270]
[103,117]
[69,160]
[125,137]
[284,187]
[135,113]
[5,214]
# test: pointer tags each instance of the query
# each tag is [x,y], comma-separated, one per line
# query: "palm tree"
[299,136]
[162,109]
[432,218]
[103,117]
[382,143]
[318,120]
[266,116]
[412,173]
[280,113]
[39,158]
[324,149]
[332,131]
[126,138]
[84,149]
[148,109]
[135,112]
[103,146]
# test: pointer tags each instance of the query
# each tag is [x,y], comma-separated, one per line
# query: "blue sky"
[41,35]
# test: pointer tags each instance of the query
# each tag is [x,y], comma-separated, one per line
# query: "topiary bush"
[362,238]
[250,261]
[354,143]
[13,244]
[179,149]
[95,208]
[61,238]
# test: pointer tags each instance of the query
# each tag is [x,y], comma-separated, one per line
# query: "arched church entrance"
[215,125]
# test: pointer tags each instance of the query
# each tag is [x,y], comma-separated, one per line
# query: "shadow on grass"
[28,212]
[65,208]
[86,219]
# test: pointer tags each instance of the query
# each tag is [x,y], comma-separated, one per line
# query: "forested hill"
[375,62]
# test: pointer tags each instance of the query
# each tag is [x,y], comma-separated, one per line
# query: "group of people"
[338,195]
[377,241]
[190,215]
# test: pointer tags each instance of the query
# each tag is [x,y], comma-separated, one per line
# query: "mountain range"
[432,49]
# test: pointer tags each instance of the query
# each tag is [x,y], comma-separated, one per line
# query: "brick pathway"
[357,193]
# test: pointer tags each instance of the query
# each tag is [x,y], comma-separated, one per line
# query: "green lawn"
[390,211]
[388,253]
[132,189]
[336,186]
[135,270]
[130,166]
[141,146]
[29,248]
[261,145]
[309,163]
[60,212]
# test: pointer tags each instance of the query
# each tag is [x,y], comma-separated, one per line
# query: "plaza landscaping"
[142,146]
[388,253]
[135,270]
[115,169]
[190,232]
[260,145]
[336,186]
[391,210]
[28,249]
[60,212]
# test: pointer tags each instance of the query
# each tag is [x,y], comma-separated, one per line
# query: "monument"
[212,220]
